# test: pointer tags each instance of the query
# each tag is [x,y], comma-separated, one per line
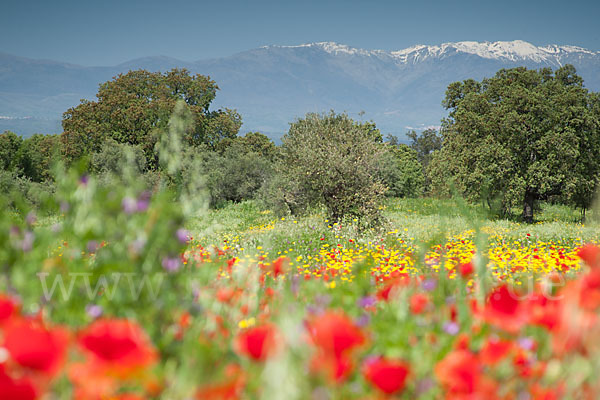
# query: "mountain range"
[272,85]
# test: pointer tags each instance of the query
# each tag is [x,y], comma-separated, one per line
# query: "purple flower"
[129,205]
[367,301]
[92,246]
[424,385]
[93,310]
[143,201]
[30,218]
[137,245]
[84,179]
[14,231]
[64,207]
[429,285]
[295,284]
[171,264]
[363,320]
[183,235]
[27,243]
[526,343]
[451,328]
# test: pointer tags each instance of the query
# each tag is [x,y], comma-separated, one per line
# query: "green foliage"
[254,142]
[36,156]
[10,143]
[401,171]
[235,175]
[22,188]
[425,144]
[331,160]
[521,136]
[111,155]
[134,108]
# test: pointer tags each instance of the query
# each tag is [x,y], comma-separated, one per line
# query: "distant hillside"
[272,85]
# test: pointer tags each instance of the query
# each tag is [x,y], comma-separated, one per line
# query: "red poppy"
[33,345]
[495,350]
[387,375]
[118,344]
[418,302]
[278,266]
[460,374]
[335,336]
[543,311]
[466,270]
[258,342]
[590,253]
[459,371]
[8,308]
[504,310]
[16,389]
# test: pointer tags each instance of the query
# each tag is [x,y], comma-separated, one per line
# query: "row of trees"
[518,137]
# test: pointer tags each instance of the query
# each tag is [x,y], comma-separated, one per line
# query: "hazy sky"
[107,32]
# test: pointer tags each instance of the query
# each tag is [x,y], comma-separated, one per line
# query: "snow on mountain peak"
[502,50]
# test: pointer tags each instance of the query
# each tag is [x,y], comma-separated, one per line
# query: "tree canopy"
[332,160]
[134,108]
[521,136]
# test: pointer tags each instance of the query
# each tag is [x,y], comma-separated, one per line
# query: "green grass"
[420,221]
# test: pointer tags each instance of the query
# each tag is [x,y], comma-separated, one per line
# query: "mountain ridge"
[272,85]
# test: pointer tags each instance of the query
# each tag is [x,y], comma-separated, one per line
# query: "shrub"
[235,175]
[333,161]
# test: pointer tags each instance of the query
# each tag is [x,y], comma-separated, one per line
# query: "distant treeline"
[520,136]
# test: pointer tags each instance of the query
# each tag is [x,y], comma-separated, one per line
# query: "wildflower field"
[123,294]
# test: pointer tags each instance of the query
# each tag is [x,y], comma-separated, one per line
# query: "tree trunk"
[528,207]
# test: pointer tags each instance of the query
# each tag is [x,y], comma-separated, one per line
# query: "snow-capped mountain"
[272,85]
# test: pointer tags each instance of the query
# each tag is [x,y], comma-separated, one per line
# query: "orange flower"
[34,346]
[258,342]
[389,376]
[119,345]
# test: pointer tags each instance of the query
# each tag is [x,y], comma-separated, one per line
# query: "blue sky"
[107,32]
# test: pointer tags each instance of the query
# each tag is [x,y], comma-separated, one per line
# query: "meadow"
[442,301]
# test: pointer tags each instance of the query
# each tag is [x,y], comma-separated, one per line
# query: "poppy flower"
[494,350]
[460,373]
[466,270]
[418,302]
[278,266]
[33,345]
[504,310]
[335,336]
[590,253]
[16,389]
[119,344]
[258,342]
[8,308]
[387,375]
